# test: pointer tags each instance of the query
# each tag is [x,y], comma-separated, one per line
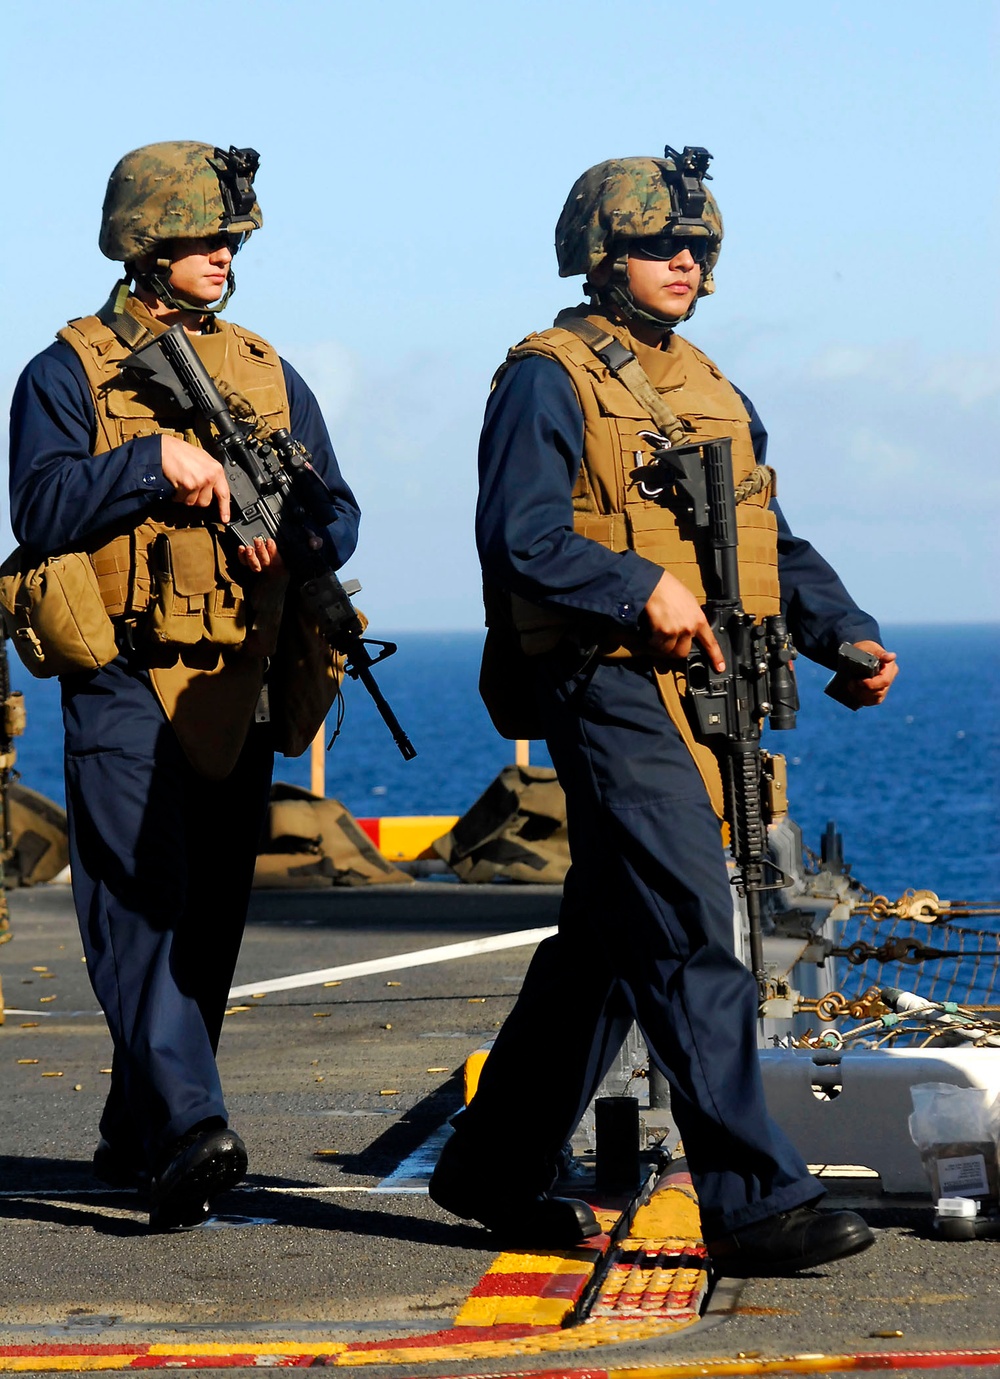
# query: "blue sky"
[414,161]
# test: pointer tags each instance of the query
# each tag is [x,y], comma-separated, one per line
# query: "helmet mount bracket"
[236,171]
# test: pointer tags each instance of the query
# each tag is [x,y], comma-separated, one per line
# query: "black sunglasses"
[225,240]
[667,247]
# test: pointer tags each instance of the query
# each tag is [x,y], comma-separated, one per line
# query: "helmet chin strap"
[157,281]
[616,295]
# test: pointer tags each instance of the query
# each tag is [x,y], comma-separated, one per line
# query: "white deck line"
[422,958]
[48,1014]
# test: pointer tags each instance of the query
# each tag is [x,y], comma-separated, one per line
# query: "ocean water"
[912,785]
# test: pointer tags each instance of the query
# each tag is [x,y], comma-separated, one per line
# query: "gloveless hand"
[262,557]
[675,619]
[876,687]
[195,476]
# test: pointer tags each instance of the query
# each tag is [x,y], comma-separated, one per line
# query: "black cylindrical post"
[616,1133]
[659,1089]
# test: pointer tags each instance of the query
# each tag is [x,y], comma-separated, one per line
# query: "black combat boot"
[118,1166]
[208,1160]
[788,1242]
[519,1217]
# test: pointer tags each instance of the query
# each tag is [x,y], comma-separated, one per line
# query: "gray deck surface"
[305,1070]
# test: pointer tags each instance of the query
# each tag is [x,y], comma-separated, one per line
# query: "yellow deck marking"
[473,1071]
[709,1367]
[670,1212]
[565,1262]
[515,1311]
[31,1364]
[402,838]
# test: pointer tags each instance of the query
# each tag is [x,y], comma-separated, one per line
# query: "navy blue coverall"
[162,859]
[647,907]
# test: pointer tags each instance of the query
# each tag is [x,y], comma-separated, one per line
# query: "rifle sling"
[631,375]
[120,323]
[629,372]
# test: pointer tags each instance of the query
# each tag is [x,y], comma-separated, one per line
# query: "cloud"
[331,371]
[406,435]
[887,462]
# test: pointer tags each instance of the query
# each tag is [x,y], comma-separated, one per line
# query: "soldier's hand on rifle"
[874,689]
[197,478]
[674,619]
[262,557]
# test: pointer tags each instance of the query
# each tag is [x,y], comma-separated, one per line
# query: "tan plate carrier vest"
[195,623]
[610,509]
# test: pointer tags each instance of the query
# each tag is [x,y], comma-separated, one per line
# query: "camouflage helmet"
[638,198]
[177,190]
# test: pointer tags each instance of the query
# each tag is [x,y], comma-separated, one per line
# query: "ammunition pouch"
[54,614]
[194,599]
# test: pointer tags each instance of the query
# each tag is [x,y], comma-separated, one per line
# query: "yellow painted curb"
[670,1214]
[403,838]
[473,1071]
[519,1310]
[565,1262]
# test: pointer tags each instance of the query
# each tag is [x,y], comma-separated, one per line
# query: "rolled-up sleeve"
[529,458]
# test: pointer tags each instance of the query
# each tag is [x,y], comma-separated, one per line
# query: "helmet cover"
[638,198]
[177,190]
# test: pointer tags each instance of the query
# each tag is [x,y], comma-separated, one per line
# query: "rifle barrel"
[406,748]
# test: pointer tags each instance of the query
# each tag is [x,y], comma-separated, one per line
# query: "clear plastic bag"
[957,1130]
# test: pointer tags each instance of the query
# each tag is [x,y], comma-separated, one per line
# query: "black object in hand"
[852,664]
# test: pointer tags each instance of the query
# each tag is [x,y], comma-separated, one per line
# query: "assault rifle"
[275,493]
[696,482]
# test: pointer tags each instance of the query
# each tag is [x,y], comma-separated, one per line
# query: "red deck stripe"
[530,1285]
[372,827]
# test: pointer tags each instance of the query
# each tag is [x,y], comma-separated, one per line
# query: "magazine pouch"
[194,598]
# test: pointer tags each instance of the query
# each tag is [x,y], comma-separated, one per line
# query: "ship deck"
[331,1252]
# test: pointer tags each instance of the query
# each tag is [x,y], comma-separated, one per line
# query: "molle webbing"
[125,409]
[620,385]
[625,367]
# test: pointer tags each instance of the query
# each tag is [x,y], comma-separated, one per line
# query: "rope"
[759,478]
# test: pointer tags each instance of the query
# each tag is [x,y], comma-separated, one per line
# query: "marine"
[594,599]
[176,636]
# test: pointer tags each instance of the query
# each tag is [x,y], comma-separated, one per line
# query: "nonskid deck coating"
[267,1055]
